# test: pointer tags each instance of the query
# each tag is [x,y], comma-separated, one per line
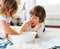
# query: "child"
[36,22]
[8,9]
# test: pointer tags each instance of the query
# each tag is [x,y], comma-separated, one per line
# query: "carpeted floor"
[50,33]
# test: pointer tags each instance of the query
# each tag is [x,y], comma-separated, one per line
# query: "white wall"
[52,8]
[29,5]
[45,2]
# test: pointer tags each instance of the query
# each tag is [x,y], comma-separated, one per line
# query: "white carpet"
[40,43]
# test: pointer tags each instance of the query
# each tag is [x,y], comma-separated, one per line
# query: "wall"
[29,5]
[52,8]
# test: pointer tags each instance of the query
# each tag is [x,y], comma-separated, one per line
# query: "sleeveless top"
[3,18]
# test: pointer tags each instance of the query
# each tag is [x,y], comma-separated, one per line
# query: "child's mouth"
[32,23]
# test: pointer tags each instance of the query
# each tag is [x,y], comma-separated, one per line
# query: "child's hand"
[36,28]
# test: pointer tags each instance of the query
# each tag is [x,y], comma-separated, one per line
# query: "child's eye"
[31,16]
[35,18]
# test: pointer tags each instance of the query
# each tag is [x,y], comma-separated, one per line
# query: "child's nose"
[31,19]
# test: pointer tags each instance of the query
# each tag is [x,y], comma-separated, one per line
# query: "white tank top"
[3,18]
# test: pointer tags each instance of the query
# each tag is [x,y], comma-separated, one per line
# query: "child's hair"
[39,11]
[9,5]
[0,5]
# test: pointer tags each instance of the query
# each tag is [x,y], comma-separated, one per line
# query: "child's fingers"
[37,27]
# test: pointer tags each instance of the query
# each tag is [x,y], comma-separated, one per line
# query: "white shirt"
[39,32]
[3,18]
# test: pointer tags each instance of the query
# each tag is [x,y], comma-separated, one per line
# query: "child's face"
[14,11]
[34,20]
[7,13]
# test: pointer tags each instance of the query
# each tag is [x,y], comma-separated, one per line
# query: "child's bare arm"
[25,26]
[37,27]
[6,35]
[7,28]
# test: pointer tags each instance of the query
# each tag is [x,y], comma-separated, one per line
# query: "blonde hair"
[39,11]
[9,5]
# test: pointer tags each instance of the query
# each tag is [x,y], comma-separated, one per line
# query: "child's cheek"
[37,21]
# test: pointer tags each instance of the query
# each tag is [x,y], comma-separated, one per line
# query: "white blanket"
[51,34]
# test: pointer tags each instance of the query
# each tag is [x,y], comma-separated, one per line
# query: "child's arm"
[25,26]
[6,35]
[37,27]
[7,29]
